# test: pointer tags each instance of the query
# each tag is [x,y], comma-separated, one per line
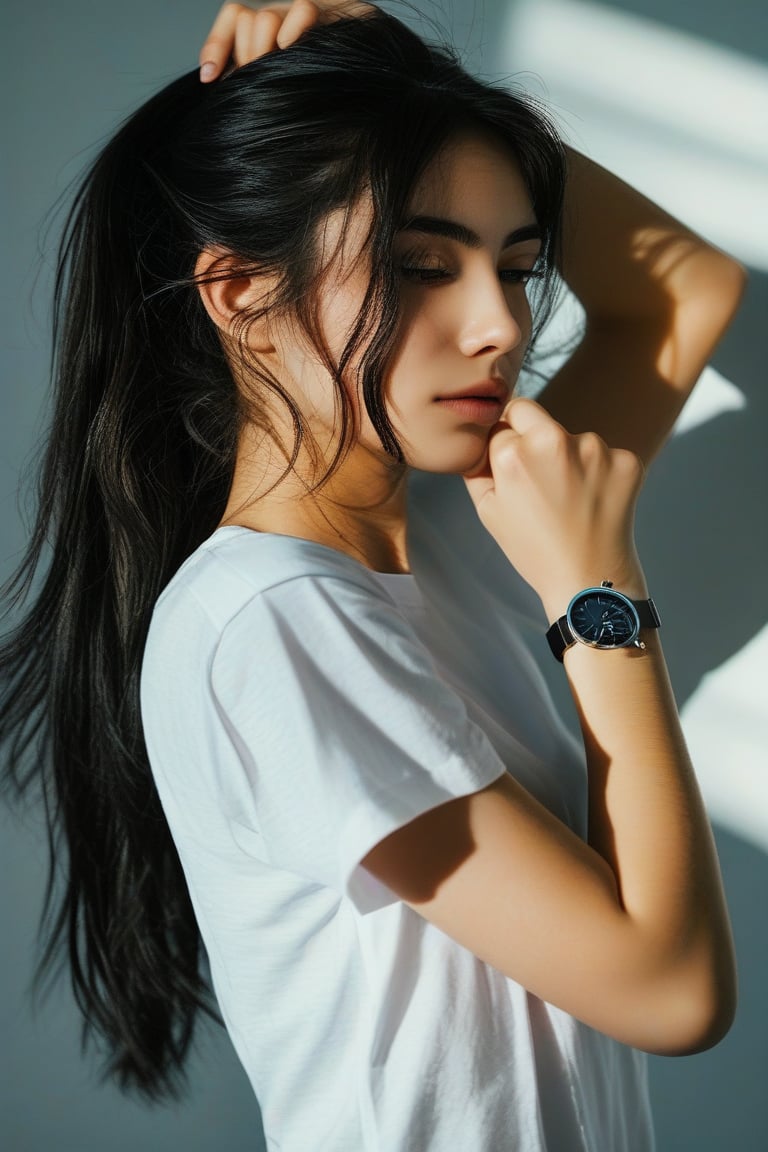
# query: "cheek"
[422,337]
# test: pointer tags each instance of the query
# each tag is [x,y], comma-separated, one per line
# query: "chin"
[451,459]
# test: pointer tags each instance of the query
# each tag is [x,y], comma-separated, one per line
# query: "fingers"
[523,415]
[255,35]
[302,14]
[519,417]
[559,505]
[245,33]
[527,418]
[218,46]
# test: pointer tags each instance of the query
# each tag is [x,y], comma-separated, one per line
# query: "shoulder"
[237,568]
[292,602]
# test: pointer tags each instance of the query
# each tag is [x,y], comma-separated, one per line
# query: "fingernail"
[207,71]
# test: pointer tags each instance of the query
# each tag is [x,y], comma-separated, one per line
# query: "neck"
[361,510]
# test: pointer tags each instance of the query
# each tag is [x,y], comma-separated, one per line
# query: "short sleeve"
[342,726]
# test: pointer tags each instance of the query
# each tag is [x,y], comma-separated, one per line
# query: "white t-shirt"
[298,708]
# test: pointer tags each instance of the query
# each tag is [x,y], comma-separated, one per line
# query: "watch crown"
[606,583]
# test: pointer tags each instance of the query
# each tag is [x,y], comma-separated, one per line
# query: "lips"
[483,390]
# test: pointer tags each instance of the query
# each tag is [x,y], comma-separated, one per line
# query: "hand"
[241,33]
[560,507]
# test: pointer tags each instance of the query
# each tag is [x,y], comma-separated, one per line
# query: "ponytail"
[137,472]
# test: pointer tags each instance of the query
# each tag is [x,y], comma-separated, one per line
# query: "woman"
[276,681]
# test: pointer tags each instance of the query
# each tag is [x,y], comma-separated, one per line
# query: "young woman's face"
[463,263]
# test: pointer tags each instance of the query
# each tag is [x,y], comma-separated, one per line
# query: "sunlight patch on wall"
[680,118]
[712,396]
[726,728]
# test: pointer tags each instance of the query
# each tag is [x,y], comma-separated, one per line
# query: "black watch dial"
[603,618]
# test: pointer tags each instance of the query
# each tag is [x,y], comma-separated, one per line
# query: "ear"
[224,299]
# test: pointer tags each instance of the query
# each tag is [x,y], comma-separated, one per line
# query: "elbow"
[693,1035]
[697,1013]
[700,1030]
[723,290]
[710,299]
[732,285]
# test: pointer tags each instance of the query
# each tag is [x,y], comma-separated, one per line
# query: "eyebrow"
[436,226]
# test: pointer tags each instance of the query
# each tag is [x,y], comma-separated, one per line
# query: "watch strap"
[647,613]
[560,637]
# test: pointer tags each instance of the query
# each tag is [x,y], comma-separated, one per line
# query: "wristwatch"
[602,618]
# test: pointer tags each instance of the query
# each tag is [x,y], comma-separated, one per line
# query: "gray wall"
[70,72]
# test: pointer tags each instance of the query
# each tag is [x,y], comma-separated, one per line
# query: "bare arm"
[658,299]
[629,932]
[657,296]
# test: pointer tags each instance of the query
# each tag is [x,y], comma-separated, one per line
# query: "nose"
[492,319]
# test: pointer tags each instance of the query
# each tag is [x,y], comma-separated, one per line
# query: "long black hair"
[141,447]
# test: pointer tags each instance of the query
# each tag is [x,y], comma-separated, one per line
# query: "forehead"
[472,174]
[473,178]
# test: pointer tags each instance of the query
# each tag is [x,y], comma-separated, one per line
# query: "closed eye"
[424,275]
[434,275]
[521,275]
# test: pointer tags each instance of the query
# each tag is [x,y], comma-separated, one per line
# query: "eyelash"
[440,275]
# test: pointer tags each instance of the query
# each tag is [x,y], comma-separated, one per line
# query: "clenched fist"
[560,506]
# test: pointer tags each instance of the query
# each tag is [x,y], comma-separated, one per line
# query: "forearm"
[624,257]
[647,820]
[657,298]
[646,276]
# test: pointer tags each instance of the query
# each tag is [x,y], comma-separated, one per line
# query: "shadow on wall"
[701,530]
[701,521]
[716,1100]
[701,526]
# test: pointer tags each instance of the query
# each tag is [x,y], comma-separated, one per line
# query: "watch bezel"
[603,591]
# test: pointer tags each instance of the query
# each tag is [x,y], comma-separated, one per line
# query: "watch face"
[603,618]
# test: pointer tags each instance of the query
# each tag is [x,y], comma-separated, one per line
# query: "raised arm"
[628,932]
[657,296]
[658,299]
